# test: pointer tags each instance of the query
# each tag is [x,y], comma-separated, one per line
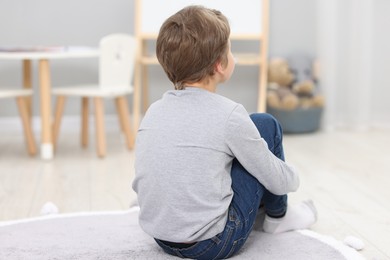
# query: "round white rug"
[117,235]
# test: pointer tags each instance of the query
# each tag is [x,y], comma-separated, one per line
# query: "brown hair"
[190,42]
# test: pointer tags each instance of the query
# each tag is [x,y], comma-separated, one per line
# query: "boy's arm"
[252,152]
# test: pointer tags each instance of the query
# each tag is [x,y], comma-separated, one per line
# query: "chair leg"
[24,113]
[100,131]
[119,111]
[57,119]
[27,83]
[84,121]
[123,113]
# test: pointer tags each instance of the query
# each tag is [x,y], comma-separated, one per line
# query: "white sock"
[299,216]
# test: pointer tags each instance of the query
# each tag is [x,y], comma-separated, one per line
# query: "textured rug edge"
[68,215]
[345,250]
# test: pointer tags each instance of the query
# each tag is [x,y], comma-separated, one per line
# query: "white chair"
[116,67]
[21,96]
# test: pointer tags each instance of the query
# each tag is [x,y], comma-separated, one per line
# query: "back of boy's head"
[190,43]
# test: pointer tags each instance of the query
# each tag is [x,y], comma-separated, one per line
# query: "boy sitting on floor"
[203,166]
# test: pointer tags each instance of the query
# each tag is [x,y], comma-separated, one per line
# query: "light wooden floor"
[347,174]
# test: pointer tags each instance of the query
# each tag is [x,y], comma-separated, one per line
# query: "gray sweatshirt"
[183,156]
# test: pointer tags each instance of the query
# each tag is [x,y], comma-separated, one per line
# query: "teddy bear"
[280,78]
[292,83]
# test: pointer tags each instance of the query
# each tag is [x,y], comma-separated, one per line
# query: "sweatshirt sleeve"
[251,150]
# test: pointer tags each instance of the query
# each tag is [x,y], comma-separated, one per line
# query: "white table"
[43,55]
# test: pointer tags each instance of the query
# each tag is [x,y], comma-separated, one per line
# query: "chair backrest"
[117,61]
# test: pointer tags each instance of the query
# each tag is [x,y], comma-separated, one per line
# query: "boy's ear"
[218,67]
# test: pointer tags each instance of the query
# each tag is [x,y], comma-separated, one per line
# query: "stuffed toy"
[280,78]
[292,83]
[306,81]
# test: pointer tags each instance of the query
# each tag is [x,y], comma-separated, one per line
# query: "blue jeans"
[249,193]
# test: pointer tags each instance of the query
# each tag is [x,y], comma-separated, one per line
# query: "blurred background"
[348,37]
[346,171]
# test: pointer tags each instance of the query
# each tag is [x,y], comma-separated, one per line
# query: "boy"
[202,165]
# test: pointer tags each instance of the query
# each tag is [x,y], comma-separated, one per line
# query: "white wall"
[381,64]
[355,51]
[75,22]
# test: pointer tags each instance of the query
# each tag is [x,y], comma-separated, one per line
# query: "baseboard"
[362,128]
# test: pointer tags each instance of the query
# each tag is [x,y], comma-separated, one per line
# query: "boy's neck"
[209,85]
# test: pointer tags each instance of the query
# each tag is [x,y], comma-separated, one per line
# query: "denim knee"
[271,130]
[265,119]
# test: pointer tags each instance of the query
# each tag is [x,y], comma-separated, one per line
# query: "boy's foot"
[299,216]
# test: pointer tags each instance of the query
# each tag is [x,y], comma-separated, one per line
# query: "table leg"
[45,94]
[27,83]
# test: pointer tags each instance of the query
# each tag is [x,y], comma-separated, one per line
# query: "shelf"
[249,47]
[248,59]
[233,37]
[149,60]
